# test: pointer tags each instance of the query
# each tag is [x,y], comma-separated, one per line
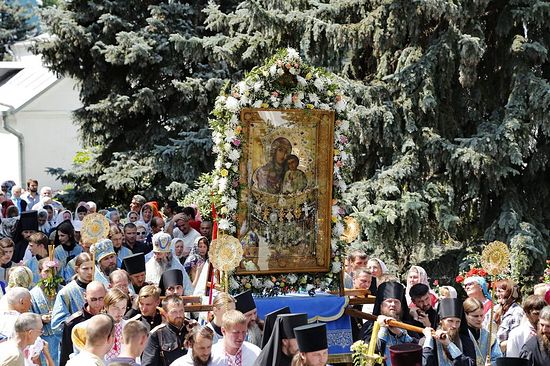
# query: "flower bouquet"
[51,282]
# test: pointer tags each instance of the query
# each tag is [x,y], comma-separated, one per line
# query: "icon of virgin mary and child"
[280,175]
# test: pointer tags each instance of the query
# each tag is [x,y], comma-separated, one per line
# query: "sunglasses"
[142,232]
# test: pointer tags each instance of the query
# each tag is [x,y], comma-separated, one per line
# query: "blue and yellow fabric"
[322,308]
[100,250]
[62,257]
[68,301]
[42,305]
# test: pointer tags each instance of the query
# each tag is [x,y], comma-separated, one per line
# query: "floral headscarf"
[20,276]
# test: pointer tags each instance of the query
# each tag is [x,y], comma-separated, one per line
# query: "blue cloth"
[33,266]
[41,305]
[321,307]
[68,301]
[61,255]
[122,253]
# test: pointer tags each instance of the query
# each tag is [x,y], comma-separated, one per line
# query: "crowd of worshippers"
[456,331]
[123,305]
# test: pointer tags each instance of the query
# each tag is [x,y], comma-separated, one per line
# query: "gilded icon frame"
[284,207]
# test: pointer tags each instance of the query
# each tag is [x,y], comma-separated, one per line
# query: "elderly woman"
[476,287]
[416,275]
[473,309]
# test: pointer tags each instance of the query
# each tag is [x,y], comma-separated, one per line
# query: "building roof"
[20,83]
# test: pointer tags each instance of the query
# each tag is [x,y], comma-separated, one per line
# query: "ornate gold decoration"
[495,258]
[226,253]
[352,229]
[94,228]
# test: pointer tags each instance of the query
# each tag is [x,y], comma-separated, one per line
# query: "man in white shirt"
[27,328]
[180,227]
[100,336]
[199,348]
[518,336]
[233,350]
[18,301]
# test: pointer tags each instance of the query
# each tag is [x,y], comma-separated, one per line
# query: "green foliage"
[145,107]
[453,144]
[15,25]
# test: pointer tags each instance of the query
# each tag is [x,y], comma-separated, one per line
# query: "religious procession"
[274,183]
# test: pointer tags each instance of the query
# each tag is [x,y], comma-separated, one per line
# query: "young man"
[38,246]
[312,345]
[100,336]
[130,242]
[233,349]
[31,195]
[451,345]
[199,348]
[147,313]
[424,314]
[518,336]
[282,345]
[6,245]
[135,266]
[134,338]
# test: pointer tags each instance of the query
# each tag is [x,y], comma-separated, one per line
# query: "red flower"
[482,273]
[459,279]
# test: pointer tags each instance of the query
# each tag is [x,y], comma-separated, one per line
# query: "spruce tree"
[145,107]
[453,146]
[15,25]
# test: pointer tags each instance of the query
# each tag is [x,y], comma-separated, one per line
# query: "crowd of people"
[121,300]
[452,330]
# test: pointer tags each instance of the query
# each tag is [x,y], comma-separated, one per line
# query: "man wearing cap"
[166,342]
[312,345]
[245,304]
[105,260]
[282,345]
[162,259]
[390,304]
[423,313]
[233,350]
[135,266]
[147,312]
[537,349]
[451,344]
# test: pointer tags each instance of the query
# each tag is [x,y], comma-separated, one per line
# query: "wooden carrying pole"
[392,323]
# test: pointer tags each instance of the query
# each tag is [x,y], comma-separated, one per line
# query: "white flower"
[232,204]
[335,210]
[218,164]
[226,146]
[256,282]
[232,104]
[243,88]
[334,244]
[245,100]
[292,70]
[273,69]
[223,224]
[292,54]
[309,287]
[292,278]
[257,104]
[319,84]
[340,105]
[229,135]
[344,126]
[228,165]
[338,229]
[233,284]
[250,266]
[280,71]
[301,81]
[222,184]
[342,185]
[324,106]
[234,155]
[275,104]
[258,85]
[268,284]
[234,120]
[336,267]
[287,100]
[313,98]
[216,137]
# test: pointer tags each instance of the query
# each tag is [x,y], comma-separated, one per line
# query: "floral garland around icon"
[283,82]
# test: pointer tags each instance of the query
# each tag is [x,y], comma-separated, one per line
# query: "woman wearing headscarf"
[43,224]
[64,215]
[416,275]
[477,288]
[148,211]
[81,211]
[199,255]
[377,268]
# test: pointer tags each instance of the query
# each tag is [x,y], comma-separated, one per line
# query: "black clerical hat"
[28,220]
[406,354]
[269,323]
[134,264]
[312,337]
[512,361]
[450,308]
[245,302]
[170,278]
[291,321]
[389,290]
